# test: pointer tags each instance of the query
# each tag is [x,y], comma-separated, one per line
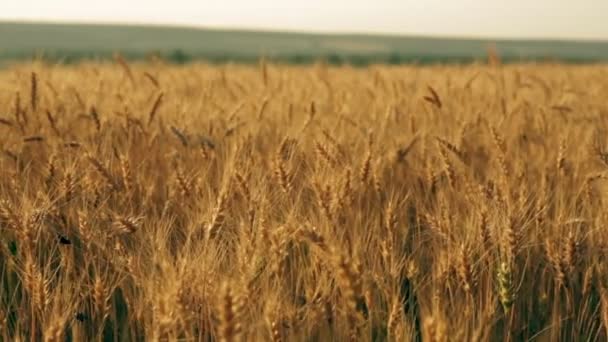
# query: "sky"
[558,19]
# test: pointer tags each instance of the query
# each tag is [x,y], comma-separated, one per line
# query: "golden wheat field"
[146,201]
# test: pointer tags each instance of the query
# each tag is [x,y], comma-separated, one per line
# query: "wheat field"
[145,201]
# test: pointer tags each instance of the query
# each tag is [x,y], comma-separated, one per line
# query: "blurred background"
[337,31]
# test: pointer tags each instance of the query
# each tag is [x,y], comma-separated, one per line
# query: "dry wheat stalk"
[219,215]
[34,92]
[283,175]
[229,309]
[126,224]
[152,79]
[434,98]
[95,117]
[103,171]
[466,271]
[180,135]
[100,296]
[155,108]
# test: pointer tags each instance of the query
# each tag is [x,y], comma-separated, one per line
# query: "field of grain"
[201,203]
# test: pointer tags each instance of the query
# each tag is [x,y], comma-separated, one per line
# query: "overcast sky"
[576,19]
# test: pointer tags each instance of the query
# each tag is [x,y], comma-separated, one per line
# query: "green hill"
[74,41]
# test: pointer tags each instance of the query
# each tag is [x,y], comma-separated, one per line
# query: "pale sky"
[568,19]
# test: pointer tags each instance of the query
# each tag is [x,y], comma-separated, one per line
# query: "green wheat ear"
[505,286]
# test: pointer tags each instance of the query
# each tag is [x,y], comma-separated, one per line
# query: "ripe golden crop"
[272,202]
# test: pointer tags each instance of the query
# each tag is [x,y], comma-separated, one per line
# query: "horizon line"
[192,26]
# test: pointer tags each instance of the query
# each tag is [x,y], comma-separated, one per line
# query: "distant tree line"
[180,56]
